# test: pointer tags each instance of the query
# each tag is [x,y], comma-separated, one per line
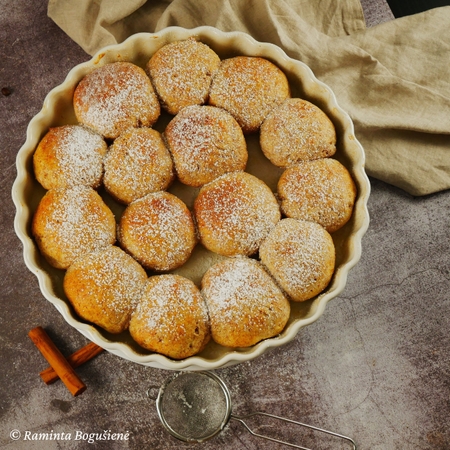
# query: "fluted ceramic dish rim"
[138,48]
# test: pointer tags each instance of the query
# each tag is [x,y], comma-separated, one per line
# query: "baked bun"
[234,213]
[297,131]
[249,88]
[171,317]
[181,73]
[69,155]
[158,231]
[104,287]
[245,305]
[205,142]
[115,97]
[321,191]
[300,255]
[70,222]
[137,163]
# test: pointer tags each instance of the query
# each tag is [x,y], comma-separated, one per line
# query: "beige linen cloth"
[393,79]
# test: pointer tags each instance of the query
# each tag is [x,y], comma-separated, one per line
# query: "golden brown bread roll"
[104,287]
[234,213]
[70,222]
[205,142]
[295,131]
[115,97]
[321,191]
[248,88]
[137,163]
[300,255]
[181,73]
[171,317]
[69,155]
[244,303]
[158,231]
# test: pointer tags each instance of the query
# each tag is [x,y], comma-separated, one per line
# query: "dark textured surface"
[375,366]
[376,12]
[402,8]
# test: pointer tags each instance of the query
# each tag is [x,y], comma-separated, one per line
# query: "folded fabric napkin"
[393,79]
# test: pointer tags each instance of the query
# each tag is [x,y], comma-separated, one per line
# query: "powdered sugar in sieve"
[196,406]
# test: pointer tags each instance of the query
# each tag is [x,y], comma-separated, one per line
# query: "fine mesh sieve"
[196,406]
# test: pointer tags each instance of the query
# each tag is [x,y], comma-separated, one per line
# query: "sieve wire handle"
[242,419]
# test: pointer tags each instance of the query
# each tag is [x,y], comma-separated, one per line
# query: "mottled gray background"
[375,366]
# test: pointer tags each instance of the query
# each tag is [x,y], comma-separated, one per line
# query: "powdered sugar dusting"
[69,155]
[171,317]
[235,213]
[297,130]
[81,214]
[115,97]
[168,295]
[137,163]
[73,221]
[205,142]
[321,191]
[116,275]
[300,255]
[158,231]
[80,155]
[244,302]
[248,87]
[105,287]
[181,73]
[229,287]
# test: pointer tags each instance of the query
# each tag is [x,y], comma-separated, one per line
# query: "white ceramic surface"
[57,110]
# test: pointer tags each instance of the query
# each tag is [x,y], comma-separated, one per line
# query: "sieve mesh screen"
[194,406]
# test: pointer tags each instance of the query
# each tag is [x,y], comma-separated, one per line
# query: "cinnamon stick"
[56,359]
[76,359]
